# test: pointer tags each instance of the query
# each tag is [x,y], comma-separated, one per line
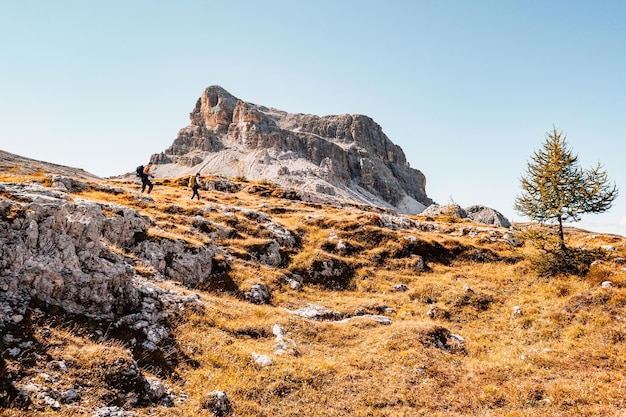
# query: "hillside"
[252,302]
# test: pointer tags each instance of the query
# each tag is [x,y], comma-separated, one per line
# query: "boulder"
[486,215]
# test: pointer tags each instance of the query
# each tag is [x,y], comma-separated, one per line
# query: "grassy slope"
[565,355]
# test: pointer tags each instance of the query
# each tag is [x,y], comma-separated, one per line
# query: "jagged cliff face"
[343,156]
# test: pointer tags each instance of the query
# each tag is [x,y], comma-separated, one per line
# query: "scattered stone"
[259,294]
[14,352]
[52,403]
[294,280]
[394,222]
[283,345]
[31,388]
[262,360]
[168,400]
[155,389]
[517,311]
[26,345]
[278,331]
[218,403]
[112,412]
[70,396]
[606,284]
[45,377]
[316,312]
[212,229]
[62,366]
[400,287]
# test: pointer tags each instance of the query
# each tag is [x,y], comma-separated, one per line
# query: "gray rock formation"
[486,215]
[343,157]
[67,254]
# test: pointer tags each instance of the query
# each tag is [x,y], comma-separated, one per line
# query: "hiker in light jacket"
[194,183]
[145,178]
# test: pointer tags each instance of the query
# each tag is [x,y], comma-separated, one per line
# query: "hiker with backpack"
[144,174]
[194,183]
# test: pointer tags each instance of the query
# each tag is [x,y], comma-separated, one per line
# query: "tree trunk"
[562,235]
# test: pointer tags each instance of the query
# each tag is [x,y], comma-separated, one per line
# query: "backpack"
[192,181]
[140,170]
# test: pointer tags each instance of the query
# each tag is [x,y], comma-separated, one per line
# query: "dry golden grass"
[563,355]
[13,175]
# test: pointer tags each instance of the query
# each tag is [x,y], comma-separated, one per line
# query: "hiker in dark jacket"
[145,178]
[194,183]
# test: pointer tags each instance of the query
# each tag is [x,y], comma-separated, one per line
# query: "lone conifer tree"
[556,189]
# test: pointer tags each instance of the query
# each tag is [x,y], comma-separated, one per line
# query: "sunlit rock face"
[340,157]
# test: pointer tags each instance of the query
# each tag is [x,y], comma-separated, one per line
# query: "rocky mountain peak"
[340,157]
[214,108]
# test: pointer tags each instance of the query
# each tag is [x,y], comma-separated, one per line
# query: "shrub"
[570,261]
[551,258]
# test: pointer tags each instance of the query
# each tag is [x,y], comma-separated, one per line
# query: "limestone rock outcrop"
[341,157]
[76,257]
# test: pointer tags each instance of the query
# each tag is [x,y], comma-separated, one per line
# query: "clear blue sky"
[468,89]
